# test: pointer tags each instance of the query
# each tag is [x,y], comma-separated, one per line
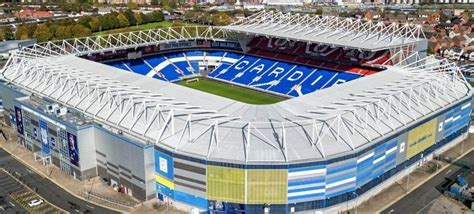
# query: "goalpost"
[192,80]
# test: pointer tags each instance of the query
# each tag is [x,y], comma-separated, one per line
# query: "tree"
[84,21]
[80,31]
[95,24]
[146,18]
[105,22]
[6,33]
[130,15]
[53,27]
[139,18]
[380,12]
[197,8]
[42,33]
[155,16]
[123,21]
[190,16]
[319,11]
[110,21]
[165,4]
[63,32]
[221,19]
[24,31]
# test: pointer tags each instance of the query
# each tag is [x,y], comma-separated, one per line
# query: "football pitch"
[232,92]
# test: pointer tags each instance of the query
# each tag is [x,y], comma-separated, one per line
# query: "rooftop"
[73,117]
[325,123]
[330,30]
[312,127]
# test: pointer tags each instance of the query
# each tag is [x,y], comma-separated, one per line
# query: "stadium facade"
[364,106]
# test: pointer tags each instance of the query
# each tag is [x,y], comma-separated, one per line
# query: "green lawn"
[232,92]
[148,26]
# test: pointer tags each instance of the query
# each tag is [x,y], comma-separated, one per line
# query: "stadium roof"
[329,30]
[312,127]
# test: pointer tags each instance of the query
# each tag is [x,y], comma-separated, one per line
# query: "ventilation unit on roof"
[52,107]
[61,111]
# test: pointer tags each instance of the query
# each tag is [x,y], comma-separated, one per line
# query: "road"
[418,199]
[47,189]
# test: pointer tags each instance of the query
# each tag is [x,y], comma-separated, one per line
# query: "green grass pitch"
[232,92]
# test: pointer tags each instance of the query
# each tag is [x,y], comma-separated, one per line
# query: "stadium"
[276,113]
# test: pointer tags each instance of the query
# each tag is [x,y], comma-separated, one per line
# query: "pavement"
[47,189]
[418,200]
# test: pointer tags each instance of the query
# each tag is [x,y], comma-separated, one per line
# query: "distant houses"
[33,14]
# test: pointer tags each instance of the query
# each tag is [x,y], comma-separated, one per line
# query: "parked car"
[35,202]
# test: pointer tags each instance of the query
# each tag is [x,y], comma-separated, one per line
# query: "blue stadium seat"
[295,76]
[258,68]
[170,73]
[273,75]
[233,55]
[184,67]
[118,64]
[195,66]
[155,60]
[216,72]
[215,53]
[174,55]
[238,67]
[194,53]
[138,66]
[267,74]
[156,76]
[317,80]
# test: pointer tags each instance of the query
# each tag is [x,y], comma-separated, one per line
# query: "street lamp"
[347,202]
[408,177]
[355,201]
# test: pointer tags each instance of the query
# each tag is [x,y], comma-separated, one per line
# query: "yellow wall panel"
[226,184]
[267,186]
[165,182]
[421,138]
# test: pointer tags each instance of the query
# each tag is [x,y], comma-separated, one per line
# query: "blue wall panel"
[379,161]
[164,164]
[164,190]
[364,168]
[190,199]
[341,177]
[457,118]
[306,183]
[391,155]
